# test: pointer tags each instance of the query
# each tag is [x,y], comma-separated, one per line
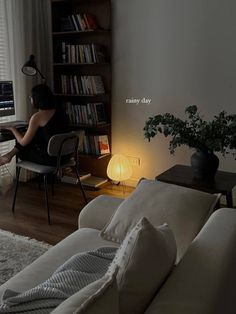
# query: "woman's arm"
[25,139]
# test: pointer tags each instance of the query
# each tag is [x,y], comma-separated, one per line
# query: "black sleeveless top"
[36,151]
[56,125]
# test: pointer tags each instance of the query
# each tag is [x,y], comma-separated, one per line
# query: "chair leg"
[16,187]
[39,182]
[81,186]
[52,183]
[46,196]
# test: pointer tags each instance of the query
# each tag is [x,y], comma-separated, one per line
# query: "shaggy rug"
[16,252]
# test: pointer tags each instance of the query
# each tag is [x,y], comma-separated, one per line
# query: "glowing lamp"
[119,168]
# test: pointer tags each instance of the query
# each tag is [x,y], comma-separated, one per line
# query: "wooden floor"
[30,217]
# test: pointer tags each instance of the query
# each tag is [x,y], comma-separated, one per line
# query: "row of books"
[79,22]
[82,85]
[96,145]
[89,53]
[90,114]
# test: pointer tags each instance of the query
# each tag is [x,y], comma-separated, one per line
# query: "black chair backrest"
[63,144]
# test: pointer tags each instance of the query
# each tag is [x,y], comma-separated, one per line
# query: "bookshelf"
[81,40]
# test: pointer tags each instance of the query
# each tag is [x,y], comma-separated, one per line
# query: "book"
[67,24]
[103,144]
[99,53]
[86,84]
[69,176]
[74,20]
[63,52]
[96,145]
[90,113]
[94,182]
[81,22]
[91,21]
[100,113]
[76,84]
[73,56]
[99,87]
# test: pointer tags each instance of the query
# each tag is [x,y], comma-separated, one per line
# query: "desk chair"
[60,145]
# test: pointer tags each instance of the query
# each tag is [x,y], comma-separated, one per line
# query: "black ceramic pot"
[204,165]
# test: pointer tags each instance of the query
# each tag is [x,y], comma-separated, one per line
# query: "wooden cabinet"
[81,39]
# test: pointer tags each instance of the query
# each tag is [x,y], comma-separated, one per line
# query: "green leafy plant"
[217,135]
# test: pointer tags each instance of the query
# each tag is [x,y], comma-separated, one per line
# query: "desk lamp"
[30,68]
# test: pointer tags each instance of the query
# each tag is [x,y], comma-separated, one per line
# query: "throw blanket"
[76,273]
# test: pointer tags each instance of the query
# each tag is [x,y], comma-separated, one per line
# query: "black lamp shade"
[30,68]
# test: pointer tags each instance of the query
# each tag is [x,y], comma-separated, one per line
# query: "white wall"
[176,53]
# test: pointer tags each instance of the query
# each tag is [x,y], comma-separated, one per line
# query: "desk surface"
[182,175]
[6,137]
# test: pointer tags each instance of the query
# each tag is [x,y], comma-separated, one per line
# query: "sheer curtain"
[6,172]
[29,32]
[25,29]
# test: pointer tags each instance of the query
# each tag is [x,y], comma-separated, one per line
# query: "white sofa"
[202,282]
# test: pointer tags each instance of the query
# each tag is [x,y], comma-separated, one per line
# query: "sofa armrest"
[204,280]
[98,212]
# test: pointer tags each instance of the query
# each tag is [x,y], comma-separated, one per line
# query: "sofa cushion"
[145,258]
[99,297]
[184,210]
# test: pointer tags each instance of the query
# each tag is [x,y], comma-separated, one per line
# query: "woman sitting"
[48,121]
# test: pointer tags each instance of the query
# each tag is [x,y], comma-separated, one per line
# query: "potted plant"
[206,137]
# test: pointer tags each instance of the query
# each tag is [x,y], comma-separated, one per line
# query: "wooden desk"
[182,175]
[8,135]
[5,138]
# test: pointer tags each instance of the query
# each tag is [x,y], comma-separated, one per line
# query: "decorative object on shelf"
[30,68]
[119,168]
[207,137]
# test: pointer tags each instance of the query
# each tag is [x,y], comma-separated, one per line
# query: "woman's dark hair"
[43,97]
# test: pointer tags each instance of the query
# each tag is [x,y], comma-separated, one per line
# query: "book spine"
[63,52]
[74,22]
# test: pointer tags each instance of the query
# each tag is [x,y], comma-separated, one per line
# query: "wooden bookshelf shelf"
[81,64]
[78,33]
[88,126]
[80,1]
[83,95]
[91,156]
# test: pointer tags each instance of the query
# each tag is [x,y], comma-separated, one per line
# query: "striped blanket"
[76,273]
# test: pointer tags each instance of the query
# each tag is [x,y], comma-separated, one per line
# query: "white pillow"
[184,210]
[99,297]
[144,260]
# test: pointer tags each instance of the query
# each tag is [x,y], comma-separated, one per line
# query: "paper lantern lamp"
[119,168]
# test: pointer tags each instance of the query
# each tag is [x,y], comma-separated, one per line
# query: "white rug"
[16,252]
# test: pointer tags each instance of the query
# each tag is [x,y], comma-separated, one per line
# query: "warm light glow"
[119,168]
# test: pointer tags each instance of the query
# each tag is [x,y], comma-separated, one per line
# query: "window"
[5,171]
